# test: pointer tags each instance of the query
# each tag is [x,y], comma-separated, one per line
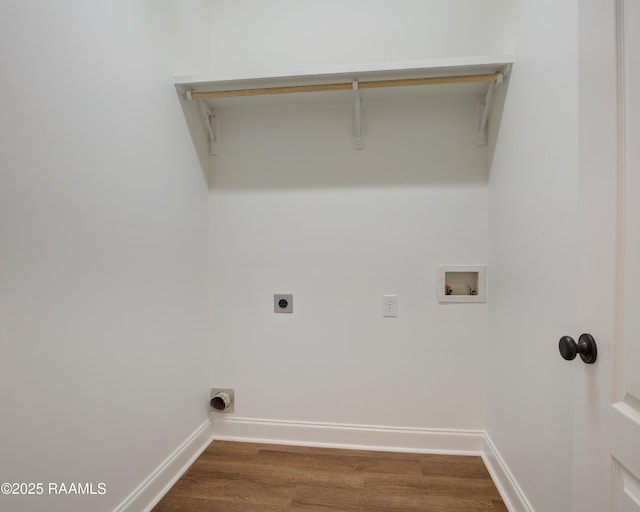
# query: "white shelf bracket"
[357,143]
[210,119]
[484,108]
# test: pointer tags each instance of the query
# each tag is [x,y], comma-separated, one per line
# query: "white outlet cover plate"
[390,305]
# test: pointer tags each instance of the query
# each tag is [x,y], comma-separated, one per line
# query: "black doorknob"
[586,347]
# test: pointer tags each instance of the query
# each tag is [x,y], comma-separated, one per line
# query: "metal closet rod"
[344,86]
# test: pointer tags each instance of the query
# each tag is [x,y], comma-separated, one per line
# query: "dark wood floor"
[246,477]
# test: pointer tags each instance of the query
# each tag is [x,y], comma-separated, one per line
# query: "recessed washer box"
[462,283]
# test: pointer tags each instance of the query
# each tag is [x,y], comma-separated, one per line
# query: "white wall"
[531,246]
[271,35]
[103,243]
[294,209]
[103,220]
[533,255]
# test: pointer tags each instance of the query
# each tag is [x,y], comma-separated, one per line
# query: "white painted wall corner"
[512,495]
[158,483]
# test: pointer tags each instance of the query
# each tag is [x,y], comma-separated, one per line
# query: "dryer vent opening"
[222,400]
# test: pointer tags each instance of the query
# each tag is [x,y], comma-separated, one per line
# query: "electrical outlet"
[390,305]
[282,303]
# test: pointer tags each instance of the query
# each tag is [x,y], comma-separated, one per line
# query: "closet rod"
[436,80]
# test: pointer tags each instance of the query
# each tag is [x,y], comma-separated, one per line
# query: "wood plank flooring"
[248,477]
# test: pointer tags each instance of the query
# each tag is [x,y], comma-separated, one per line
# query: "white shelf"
[394,70]
[251,89]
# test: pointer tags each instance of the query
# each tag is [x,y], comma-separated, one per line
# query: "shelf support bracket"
[357,143]
[210,119]
[484,109]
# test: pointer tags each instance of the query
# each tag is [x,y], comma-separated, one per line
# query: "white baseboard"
[156,485]
[511,493]
[339,435]
[379,438]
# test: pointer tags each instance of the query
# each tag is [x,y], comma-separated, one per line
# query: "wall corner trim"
[157,484]
[512,495]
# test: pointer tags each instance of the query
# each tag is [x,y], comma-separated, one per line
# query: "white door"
[606,475]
